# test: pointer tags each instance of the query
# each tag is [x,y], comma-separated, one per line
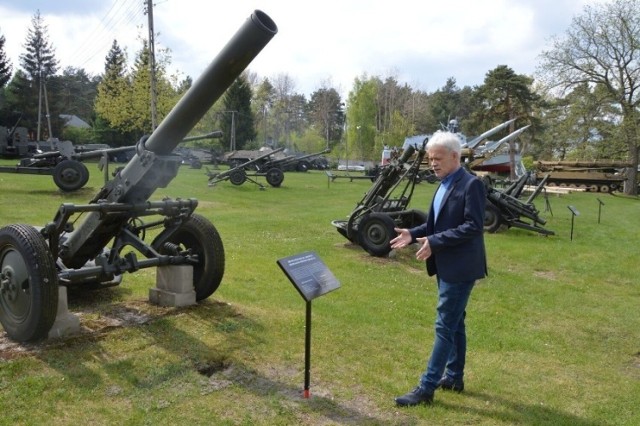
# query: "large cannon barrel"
[250,39]
[151,168]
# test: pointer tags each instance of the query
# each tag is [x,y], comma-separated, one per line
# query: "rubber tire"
[70,175]
[303,166]
[238,177]
[27,313]
[275,177]
[199,235]
[492,218]
[375,231]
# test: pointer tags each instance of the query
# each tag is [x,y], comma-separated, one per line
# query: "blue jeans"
[450,344]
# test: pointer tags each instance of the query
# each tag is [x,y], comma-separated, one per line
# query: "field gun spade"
[33,263]
[384,205]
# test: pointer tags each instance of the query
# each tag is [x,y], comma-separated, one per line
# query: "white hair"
[445,139]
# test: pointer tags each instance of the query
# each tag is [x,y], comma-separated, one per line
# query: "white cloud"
[420,43]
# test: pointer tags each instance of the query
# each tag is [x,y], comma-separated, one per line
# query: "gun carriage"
[384,206]
[506,208]
[34,262]
[246,171]
[245,167]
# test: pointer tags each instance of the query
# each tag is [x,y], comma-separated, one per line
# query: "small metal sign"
[309,275]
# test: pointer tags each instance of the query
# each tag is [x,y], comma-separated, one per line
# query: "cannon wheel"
[303,166]
[70,175]
[238,177]
[492,218]
[28,283]
[275,176]
[374,233]
[199,235]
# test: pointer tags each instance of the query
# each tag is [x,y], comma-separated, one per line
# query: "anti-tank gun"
[299,163]
[247,170]
[33,263]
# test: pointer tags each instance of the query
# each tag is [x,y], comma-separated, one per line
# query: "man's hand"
[402,240]
[425,249]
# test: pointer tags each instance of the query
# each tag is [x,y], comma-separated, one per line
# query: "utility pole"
[39,105]
[152,67]
[46,108]
[233,130]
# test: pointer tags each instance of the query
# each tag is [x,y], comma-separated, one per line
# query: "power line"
[120,15]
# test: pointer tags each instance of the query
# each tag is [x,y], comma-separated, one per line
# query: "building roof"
[74,121]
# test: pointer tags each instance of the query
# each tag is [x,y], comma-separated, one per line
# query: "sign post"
[311,277]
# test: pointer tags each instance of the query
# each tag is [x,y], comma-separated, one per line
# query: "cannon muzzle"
[250,39]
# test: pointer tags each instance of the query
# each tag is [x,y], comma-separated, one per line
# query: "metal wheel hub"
[14,285]
[69,175]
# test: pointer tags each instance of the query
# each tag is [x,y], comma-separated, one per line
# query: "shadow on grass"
[75,357]
[510,412]
[85,192]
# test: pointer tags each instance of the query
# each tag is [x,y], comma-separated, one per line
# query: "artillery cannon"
[298,163]
[14,142]
[33,263]
[65,164]
[504,208]
[239,174]
[384,206]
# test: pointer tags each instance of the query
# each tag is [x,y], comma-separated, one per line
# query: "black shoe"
[447,383]
[415,397]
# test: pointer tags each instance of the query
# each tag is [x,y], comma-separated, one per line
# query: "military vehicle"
[70,252]
[592,176]
[14,142]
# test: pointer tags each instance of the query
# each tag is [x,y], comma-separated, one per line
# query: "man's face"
[443,161]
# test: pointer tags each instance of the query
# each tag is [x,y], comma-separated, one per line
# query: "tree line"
[582,103]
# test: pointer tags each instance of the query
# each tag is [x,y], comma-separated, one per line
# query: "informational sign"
[309,275]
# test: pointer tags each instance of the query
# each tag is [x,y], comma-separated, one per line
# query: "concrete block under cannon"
[33,263]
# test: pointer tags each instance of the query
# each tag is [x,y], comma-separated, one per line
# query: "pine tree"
[5,65]
[238,115]
[39,62]
[114,93]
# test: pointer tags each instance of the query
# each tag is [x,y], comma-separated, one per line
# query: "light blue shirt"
[442,189]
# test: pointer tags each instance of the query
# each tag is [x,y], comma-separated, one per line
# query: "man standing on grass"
[452,243]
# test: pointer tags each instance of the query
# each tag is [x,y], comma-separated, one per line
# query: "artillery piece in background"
[64,162]
[14,142]
[506,209]
[246,170]
[384,206]
[592,176]
[245,165]
[33,263]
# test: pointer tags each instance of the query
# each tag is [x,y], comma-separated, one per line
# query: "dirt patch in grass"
[94,321]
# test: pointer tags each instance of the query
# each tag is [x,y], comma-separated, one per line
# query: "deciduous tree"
[601,48]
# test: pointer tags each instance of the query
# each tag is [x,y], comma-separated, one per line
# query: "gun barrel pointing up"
[143,174]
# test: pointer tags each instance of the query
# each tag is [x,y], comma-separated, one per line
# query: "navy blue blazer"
[457,236]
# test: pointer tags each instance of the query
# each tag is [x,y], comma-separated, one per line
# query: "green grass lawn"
[554,331]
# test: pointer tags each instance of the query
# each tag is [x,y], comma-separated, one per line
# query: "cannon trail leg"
[28,283]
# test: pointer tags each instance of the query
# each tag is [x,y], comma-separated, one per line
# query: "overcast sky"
[330,42]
